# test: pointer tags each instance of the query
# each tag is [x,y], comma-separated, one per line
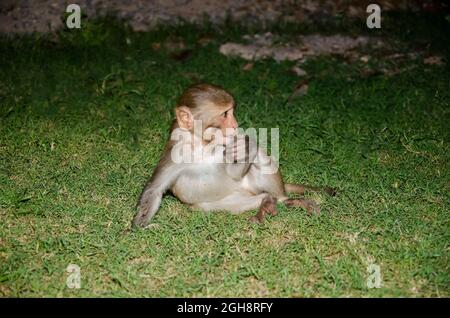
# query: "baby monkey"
[244,177]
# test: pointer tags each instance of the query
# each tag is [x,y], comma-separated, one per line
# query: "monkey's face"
[210,115]
[227,122]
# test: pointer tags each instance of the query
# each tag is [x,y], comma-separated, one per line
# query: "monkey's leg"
[300,189]
[268,206]
[309,205]
[235,203]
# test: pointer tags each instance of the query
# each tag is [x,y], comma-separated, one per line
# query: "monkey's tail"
[300,189]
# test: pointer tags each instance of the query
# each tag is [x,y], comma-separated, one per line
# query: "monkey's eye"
[225,114]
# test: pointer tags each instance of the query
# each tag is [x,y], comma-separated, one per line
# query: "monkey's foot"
[330,191]
[268,206]
[310,206]
[257,218]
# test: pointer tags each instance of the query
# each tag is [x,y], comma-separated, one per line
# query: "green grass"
[83,120]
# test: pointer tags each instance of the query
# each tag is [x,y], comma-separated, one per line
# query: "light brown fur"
[235,186]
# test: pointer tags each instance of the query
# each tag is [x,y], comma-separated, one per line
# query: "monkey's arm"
[150,200]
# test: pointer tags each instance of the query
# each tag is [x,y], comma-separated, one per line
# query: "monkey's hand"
[147,207]
[150,199]
[242,149]
[239,156]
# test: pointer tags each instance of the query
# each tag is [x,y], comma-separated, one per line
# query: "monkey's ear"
[185,118]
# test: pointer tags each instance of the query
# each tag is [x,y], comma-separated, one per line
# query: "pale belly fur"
[195,187]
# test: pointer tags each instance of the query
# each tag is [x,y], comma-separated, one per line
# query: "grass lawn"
[84,119]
